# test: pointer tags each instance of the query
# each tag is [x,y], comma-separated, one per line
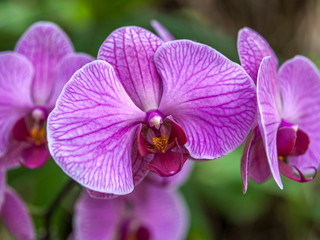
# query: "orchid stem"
[55,203]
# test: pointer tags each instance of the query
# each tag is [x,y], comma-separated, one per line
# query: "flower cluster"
[286,137]
[127,125]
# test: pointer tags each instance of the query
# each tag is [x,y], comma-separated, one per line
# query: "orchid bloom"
[148,105]
[286,138]
[13,213]
[150,212]
[31,79]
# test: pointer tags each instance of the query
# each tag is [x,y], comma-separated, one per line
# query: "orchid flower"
[150,212]
[286,137]
[13,213]
[148,105]
[31,79]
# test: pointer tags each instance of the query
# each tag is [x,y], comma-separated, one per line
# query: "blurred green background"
[218,208]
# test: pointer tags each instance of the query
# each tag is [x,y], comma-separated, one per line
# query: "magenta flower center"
[32,127]
[292,141]
[165,139]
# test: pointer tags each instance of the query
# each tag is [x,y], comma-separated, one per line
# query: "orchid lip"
[288,171]
[291,140]
[162,143]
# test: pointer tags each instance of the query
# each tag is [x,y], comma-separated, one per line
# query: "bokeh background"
[218,209]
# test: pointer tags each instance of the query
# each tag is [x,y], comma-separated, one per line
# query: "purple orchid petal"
[92,129]
[164,34]
[245,161]
[16,217]
[300,89]
[259,169]
[252,48]
[268,113]
[138,172]
[64,71]
[15,84]
[174,181]
[130,51]
[286,139]
[254,162]
[13,157]
[288,171]
[212,98]
[35,156]
[96,219]
[161,211]
[44,44]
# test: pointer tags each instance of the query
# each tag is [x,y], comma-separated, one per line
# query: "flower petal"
[16,217]
[292,172]
[163,212]
[254,162]
[13,156]
[16,74]
[96,219]
[64,71]
[130,51]
[174,181]
[252,48]
[259,169]
[163,33]
[300,89]
[92,129]
[212,98]
[268,113]
[44,44]
[138,172]
[245,161]
[35,156]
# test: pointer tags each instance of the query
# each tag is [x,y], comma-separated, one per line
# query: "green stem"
[55,203]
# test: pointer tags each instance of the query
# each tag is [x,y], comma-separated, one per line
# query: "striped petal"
[138,172]
[64,71]
[16,74]
[92,129]
[212,98]
[252,48]
[44,44]
[268,113]
[130,51]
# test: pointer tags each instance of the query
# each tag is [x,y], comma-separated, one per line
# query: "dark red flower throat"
[165,139]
